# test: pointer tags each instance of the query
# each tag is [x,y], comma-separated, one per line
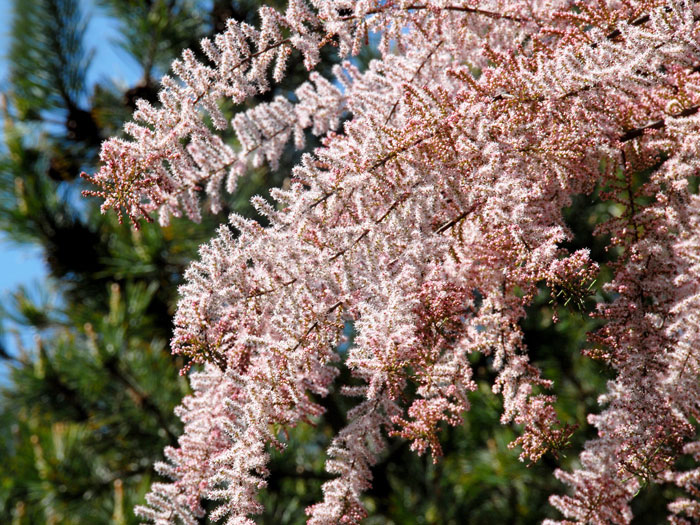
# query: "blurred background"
[87,383]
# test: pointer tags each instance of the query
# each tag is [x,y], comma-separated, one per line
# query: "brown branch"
[449,224]
[642,19]
[657,124]
[248,59]
[460,9]
[396,153]
[344,250]
[376,221]
[321,199]
[314,325]
[392,207]
[415,75]
[270,290]
[306,334]
[612,35]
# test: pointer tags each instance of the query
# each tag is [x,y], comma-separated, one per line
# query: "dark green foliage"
[48,60]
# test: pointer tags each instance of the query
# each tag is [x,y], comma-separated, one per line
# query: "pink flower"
[429,220]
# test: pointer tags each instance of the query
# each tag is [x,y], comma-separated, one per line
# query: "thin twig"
[461,9]
[415,75]
[657,124]
[315,325]
[449,224]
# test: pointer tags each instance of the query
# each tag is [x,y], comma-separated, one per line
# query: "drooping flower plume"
[428,220]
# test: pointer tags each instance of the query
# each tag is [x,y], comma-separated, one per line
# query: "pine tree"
[88,407]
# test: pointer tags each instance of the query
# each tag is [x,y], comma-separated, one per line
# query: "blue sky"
[18,264]
[22,264]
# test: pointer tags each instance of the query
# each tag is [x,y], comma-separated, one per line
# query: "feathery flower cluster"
[428,221]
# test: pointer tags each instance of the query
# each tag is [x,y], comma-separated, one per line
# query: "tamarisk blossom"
[429,220]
